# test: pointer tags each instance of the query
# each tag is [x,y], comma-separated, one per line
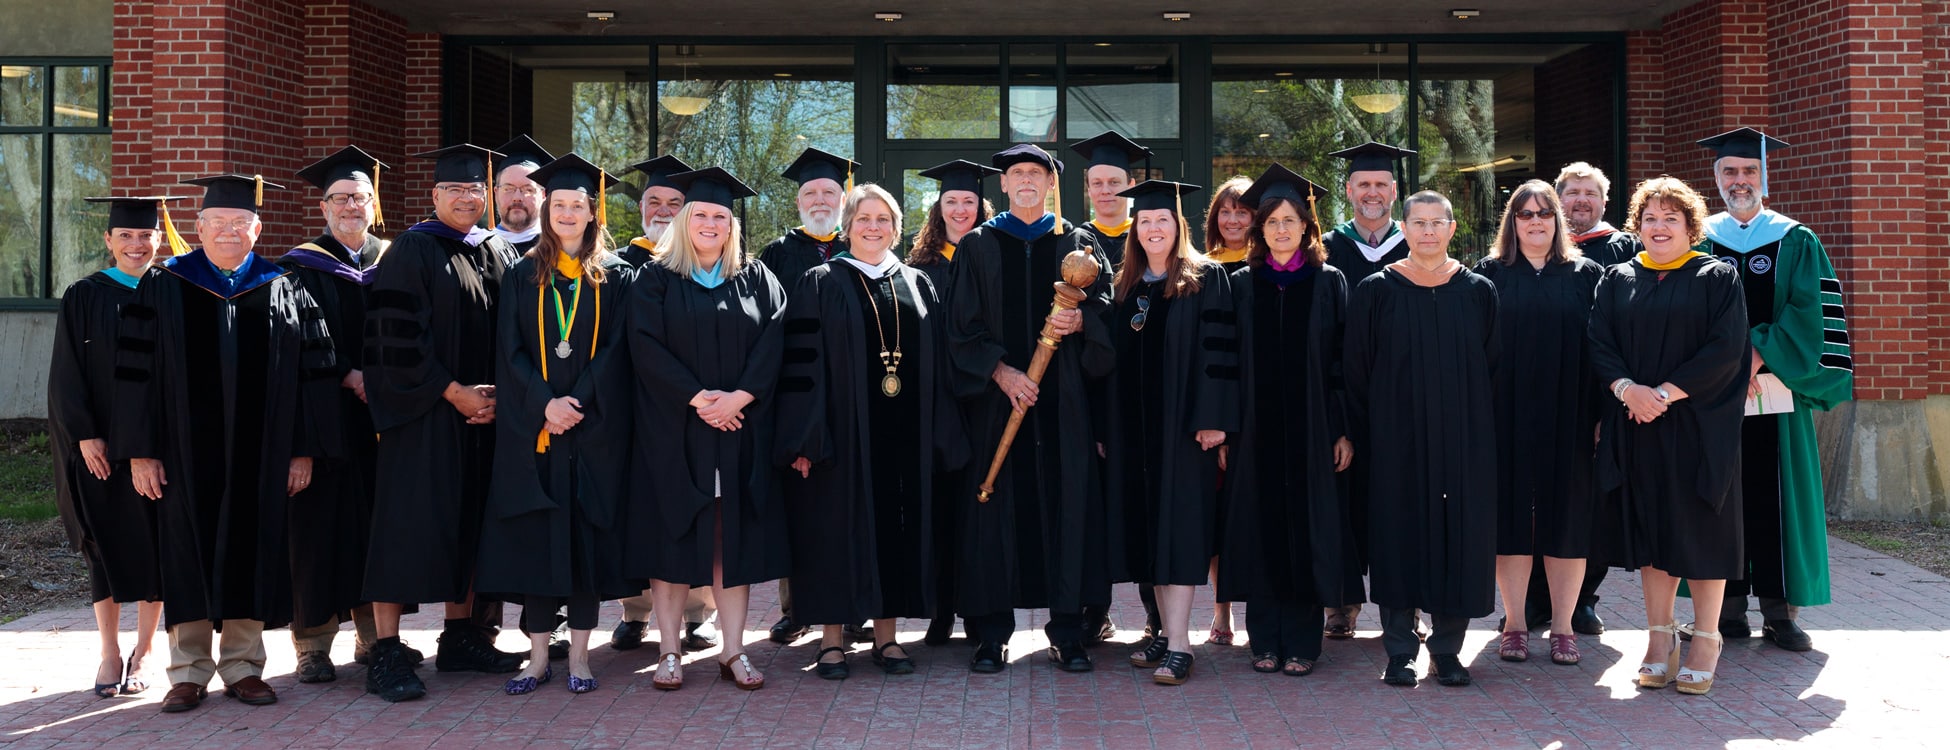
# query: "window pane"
[20,213]
[1032,93]
[917,194]
[1295,104]
[77,96]
[1484,128]
[944,90]
[81,168]
[1129,88]
[20,94]
[751,110]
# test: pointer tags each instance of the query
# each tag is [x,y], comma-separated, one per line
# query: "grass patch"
[26,477]
[1872,540]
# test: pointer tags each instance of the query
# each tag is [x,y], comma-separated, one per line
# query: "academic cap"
[657,172]
[1110,148]
[1151,195]
[1372,157]
[462,163]
[233,190]
[1745,143]
[521,151]
[572,172]
[1023,152]
[814,164]
[711,185]
[349,163]
[960,174]
[1279,182]
[135,211]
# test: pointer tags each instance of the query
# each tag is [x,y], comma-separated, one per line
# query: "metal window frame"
[47,130]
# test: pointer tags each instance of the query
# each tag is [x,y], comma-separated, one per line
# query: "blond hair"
[675,252]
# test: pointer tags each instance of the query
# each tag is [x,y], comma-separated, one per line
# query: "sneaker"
[390,676]
[316,666]
[469,650]
[362,654]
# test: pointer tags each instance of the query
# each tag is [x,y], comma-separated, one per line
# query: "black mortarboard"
[572,172]
[233,190]
[710,185]
[960,174]
[349,163]
[1745,143]
[1110,148]
[1023,152]
[1372,157]
[134,212]
[523,150]
[1151,195]
[1279,182]
[814,164]
[657,172]
[463,163]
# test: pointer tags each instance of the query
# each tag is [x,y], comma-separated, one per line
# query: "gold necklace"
[890,384]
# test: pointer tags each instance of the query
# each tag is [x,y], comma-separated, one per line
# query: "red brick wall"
[1845,83]
[1576,111]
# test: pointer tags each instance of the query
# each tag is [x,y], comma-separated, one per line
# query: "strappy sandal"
[1694,681]
[1266,663]
[1219,637]
[1154,653]
[132,681]
[1174,670]
[673,665]
[1297,667]
[1655,675]
[1564,649]
[1515,646]
[109,689]
[752,680]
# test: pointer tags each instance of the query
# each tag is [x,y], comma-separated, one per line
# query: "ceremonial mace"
[1080,270]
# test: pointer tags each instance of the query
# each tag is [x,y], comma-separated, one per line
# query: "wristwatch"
[1662,394]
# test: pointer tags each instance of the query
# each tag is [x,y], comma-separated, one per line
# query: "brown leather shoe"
[251,691]
[183,696]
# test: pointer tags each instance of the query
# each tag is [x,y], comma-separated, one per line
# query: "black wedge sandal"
[1153,654]
[1176,668]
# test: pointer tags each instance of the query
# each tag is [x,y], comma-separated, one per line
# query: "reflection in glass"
[1129,88]
[20,213]
[77,96]
[21,87]
[943,90]
[612,129]
[81,168]
[1032,93]
[917,194]
[768,103]
[1295,104]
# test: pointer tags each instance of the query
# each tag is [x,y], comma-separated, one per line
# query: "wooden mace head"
[1080,268]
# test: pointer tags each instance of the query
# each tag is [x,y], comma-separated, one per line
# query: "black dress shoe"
[1787,635]
[1070,657]
[1585,621]
[940,629]
[831,670]
[628,635]
[695,641]
[1449,670]
[1400,671]
[990,658]
[1736,628]
[787,631]
[470,650]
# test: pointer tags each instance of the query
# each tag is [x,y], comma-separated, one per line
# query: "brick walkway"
[1877,676]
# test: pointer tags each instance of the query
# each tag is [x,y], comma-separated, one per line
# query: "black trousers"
[1063,627]
[1398,633]
[540,614]
[1287,628]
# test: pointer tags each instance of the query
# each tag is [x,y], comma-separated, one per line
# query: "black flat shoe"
[1400,672]
[628,635]
[831,670]
[892,664]
[989,658]
[1154,653]
[1177,667]
[1585,621]
[1787,635]
[787,631]
[1070,657]
[1449,670]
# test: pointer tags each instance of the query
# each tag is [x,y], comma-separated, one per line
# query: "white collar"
[513,236]
[887,265]
[1374,253]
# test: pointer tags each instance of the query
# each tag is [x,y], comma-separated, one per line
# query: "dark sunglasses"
[1144,309]
[1542,213]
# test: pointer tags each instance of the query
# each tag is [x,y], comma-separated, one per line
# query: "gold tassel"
[602,200]
[1056,192]
[378,215]
[176,244]
[260,189]
[492,221]
[849,178]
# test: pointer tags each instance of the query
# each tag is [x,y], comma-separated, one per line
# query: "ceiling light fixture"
[1511,159]
[601,15]
[1177,15]
[1464,14]
[887,16]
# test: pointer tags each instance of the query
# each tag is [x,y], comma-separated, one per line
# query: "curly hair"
[1674,193]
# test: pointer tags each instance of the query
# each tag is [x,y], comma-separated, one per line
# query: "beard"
[1740,205]
[654,231]
[518,218]
[1372,213]
[819,226]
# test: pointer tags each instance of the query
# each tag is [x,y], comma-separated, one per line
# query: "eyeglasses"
[455,192]
[1287,224]
[1542,213]
[1144,310]
[529,191]
[239,226]
[357,199]
[1429,225]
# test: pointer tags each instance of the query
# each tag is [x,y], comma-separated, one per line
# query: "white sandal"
[1655,675]
[1693,681]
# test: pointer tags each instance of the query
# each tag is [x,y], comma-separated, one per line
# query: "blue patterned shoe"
[580,685]
[526,685]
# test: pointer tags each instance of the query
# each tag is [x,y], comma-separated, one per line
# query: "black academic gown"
[1672,495]
[1342,253]
[220,380]
[1546,402]
[1287,524]
[1611,248]
[431,323]
[637,252]
[861,523]
[685,338]
[795,253]
[1040,541]
[108,523]
[1176,377]
[1113,246]
[554,521]
[1419,363]
[948,483]
[331,519]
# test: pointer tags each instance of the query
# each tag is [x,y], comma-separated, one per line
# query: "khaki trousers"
[242,653]
[320,638]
